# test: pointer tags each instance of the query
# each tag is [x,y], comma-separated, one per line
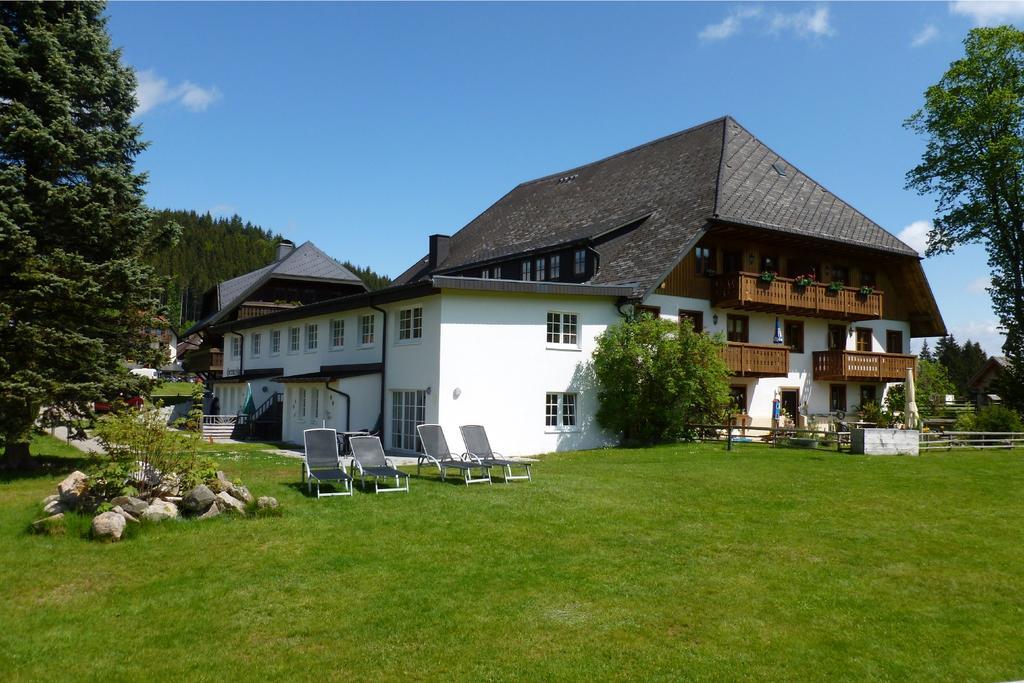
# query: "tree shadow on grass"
[47,467]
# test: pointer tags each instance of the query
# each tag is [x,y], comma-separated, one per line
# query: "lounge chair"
[478,448]
[368,457]
[323,463]
[435,452]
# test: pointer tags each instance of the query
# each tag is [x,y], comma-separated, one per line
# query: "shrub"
[656,379]
[994,418]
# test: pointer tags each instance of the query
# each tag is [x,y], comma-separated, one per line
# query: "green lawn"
[173,389]
[667,563]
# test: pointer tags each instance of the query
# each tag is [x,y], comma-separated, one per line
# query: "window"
[314,409]
[410,324]
[337,334]
[275,342]
[836,337]
[302,404]
[579,264]
[696,319]
[526,270]
[836,397]
[555,271]
[798,267]
[770,263]
[868,394]
[704,257]
[732,261]
[560,410]
[257,344]
[863,339]
[793,333]
[236,347]
[486,274]
[366,329]
[312,337]
[293,340]
[496,272]
[408,409]
[867,278]
[893,341]
[737,328]
[653,311]
[542,266]
[563,328]
[841,274]
[738,397]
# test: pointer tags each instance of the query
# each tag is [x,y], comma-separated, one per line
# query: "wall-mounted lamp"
[714,318]
[849,330]
[428,391]
[456,393]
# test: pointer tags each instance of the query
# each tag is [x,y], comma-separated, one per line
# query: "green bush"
[994,418]
[656,379]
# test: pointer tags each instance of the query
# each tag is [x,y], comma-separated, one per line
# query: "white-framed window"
[560,411]
[496,272]
[302,403]
[563,328]
[556,267]
[293,339]
[257,344]
[275,342]
[312,337]
[541,266]
[408,409]
[486,274]
[410,324]
[579,262]
[236,347]
[527,270]
[366,329]
[337,333]
[314,405]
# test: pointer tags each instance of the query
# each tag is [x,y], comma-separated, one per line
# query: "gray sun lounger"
[436,453]
[369,460]
[478,448]
[323,462]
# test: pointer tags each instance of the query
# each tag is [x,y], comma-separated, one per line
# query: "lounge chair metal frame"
[442,457]
[369,460]
[478,449]
[324,469]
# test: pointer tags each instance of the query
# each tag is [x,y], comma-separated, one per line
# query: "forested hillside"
[211,250]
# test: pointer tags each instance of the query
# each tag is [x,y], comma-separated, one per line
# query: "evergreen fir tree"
[75,298]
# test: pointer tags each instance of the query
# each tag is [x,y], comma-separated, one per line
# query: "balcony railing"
[755,360]
[746,291]
[862,366]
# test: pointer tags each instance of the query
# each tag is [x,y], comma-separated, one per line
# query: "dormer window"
[580,262]
[527,271]
[542,268]
[556,267]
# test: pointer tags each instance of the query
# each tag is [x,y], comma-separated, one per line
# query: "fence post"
[728,437]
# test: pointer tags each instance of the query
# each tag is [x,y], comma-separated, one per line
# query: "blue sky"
[367,127]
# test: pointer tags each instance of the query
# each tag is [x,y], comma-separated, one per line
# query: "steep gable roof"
[667,191]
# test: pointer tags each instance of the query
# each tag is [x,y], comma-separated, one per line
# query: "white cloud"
[979,285]
[915,235]
[223,210]
[926,35]
[985,332]
[805,23]
[989,12]
[152,91]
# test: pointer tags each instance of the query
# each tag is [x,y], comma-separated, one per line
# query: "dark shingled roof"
[666,192]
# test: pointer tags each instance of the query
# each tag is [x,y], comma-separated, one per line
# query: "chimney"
[438,250]
[284,248]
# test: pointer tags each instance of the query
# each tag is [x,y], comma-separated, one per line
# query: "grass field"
[669,563]
[173,389]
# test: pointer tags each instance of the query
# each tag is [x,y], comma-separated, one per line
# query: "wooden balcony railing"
[254,309]
[862,366]
[746,291]
[755,360]
[204,360]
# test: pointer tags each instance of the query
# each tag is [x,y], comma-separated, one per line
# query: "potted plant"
[768,276]
[804,280]
[836,286]
[867,290]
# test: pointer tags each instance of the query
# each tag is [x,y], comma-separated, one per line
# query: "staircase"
[266,421]
[219,426]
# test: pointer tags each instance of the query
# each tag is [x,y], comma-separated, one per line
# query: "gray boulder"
[50,499]
[241,493]
[55,507]
[72,487]
[159,510]
[49,525]
[198,500]
[133,506]
[213,511]
[108,526]
[267,503]
[127,517]
[230,503]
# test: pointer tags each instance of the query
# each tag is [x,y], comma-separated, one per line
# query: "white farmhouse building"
[497,324]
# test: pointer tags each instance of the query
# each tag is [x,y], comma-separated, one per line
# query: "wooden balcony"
[254,309]
[755,360]
[862,366]
[746,291]
[207,359]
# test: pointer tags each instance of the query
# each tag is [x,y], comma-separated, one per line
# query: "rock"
[198,500]
[221,477]
[159,510]
[133,506]
[72,487]
[127,517]
[108,526]
[229,502]
[55,507]
[267,503]
[50,499]
[54,524]
[213,511]
[241,493]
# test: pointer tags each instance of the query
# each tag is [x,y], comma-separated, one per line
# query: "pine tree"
[926,352]
[75,299]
